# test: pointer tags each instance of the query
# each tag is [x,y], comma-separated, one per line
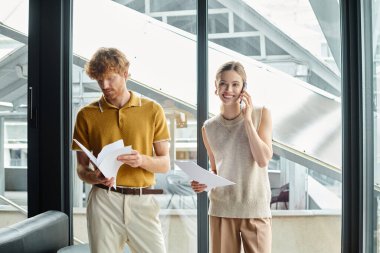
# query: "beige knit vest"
[250,196]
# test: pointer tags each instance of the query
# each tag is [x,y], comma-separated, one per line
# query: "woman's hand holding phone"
[246,105]
[242,103]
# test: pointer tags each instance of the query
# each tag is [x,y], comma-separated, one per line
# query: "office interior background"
[313,63]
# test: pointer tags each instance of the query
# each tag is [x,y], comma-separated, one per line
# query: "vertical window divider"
[202,115]
[352,124]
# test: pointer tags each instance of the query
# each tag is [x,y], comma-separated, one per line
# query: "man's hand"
[109,182]
[159,163]
[95,177]
[88,175]
[135,159]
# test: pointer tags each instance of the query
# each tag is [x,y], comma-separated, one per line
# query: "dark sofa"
[43,233]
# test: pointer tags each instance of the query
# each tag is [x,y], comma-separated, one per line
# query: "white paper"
[197,173]
[108,149]
[107,158]
[87,152]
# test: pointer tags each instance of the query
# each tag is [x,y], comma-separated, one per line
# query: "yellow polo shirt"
[140,123]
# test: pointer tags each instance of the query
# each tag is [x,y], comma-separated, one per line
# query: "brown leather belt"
[132,191]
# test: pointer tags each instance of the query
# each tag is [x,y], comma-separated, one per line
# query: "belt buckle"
[140,193]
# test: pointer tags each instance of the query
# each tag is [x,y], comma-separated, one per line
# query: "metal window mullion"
[352,133]
[66,111]
[202,114]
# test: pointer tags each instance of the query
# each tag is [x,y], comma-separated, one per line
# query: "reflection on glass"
[13,109]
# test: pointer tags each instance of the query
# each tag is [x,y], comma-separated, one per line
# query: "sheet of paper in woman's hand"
[107,158]
[197,173]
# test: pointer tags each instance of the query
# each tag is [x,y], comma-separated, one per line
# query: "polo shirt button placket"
[120,118]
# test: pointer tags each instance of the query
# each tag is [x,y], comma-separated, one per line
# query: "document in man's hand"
[197,173]
[107,158]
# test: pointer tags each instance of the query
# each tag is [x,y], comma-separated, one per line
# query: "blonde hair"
[105,61]
[235,66]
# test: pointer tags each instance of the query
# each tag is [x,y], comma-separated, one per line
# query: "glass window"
[273,49]
[186,23]
[293,67]
[163,69]
[15,144]
[136,5]
[214,4]
[249,46]
[13,111]
[172,5]
[305,171]
[241,26]
[218,23]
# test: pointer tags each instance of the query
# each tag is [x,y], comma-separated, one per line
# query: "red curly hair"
[106,61]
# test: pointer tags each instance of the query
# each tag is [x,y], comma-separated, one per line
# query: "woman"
[239,146]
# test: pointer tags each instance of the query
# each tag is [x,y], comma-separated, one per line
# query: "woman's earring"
[216,92]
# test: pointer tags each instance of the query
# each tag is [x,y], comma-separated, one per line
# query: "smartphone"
[242,105]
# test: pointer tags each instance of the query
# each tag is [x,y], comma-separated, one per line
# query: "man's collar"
[134,100]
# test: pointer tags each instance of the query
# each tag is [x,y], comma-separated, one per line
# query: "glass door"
[162,68]
[291,55]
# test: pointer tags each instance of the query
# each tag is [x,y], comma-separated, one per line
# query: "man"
[128,214]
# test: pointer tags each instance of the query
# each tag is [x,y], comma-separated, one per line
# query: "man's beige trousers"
[114,219]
